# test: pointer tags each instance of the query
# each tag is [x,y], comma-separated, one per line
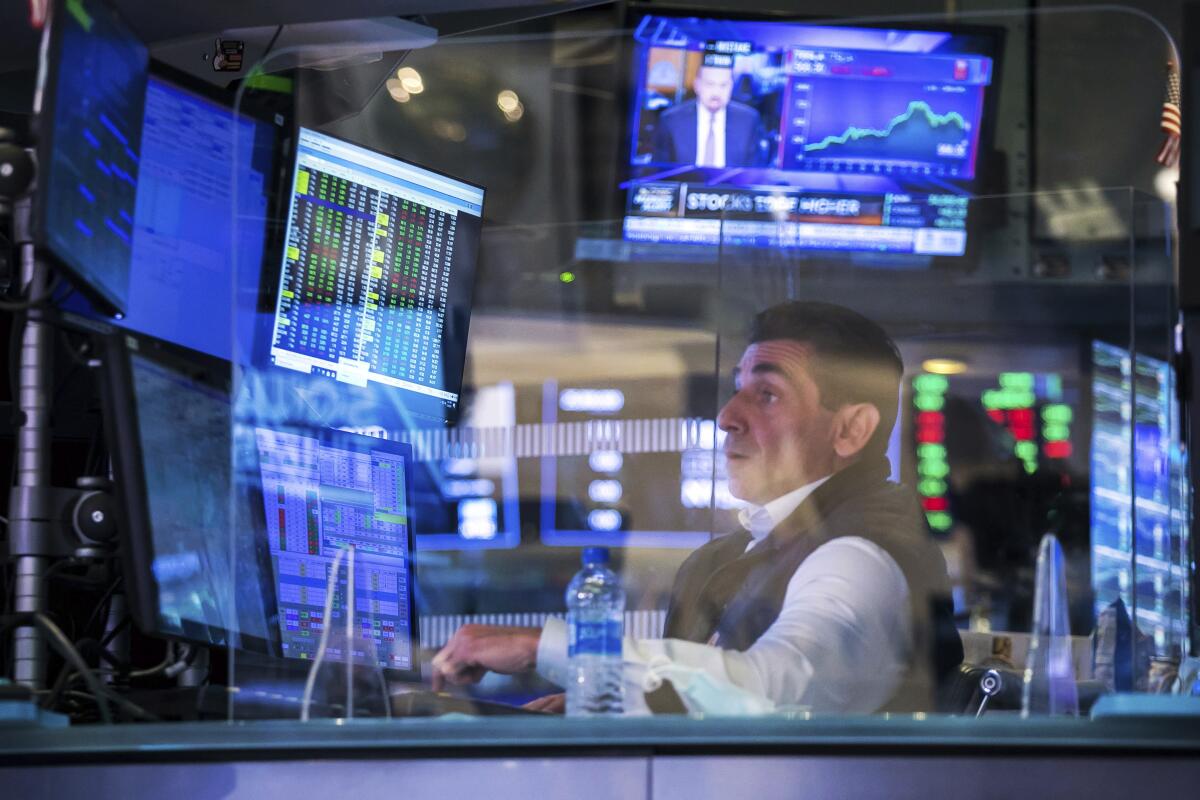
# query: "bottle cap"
[595,555]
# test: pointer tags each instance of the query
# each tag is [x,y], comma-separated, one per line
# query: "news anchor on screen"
[709,131]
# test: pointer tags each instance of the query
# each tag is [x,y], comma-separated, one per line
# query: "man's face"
[713,87]
[778,435]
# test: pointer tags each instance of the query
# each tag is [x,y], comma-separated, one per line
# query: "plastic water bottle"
[595,619]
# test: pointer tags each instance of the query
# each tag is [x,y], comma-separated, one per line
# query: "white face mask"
[703,694]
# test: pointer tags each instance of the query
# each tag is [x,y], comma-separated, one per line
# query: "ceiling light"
[944,366]
[410,79]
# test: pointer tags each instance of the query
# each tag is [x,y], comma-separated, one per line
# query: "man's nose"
[729,418]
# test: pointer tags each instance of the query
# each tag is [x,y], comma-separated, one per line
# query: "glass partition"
[499,299]
[524,206]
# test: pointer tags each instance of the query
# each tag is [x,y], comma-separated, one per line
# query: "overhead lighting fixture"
[410,79]
[508,101]
[397,91]
[944,366]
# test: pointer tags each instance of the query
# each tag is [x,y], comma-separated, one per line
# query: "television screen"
[780,134]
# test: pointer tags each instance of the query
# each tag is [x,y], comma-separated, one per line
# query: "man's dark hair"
[855,361]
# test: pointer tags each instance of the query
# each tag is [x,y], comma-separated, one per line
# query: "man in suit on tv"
[709,131]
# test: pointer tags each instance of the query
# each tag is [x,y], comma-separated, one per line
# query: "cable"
[161,667]
[67,650]
[129,707]
[350,635]
[311,681]
[32,302]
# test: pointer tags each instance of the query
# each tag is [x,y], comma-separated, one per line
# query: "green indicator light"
[567,277]
[931,487]
[929,402]
[933,469]
[1026,451]
[930,450]
[991,400]
[1030,467]
[939,520]
[1057,413]
[1054,387]
[1017,381]
[930,383]
[1021,399]
[1056,432]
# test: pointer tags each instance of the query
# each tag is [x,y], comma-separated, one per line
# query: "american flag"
[1172,120]
[37,12]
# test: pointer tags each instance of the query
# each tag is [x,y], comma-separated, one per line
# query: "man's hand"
[475,649]
[550,704]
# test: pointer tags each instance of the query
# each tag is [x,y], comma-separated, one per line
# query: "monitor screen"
[378,273]
[90,91]
[1139,392]
[168,415]
[780,134]
[189,248]
[198,157]
[322,493]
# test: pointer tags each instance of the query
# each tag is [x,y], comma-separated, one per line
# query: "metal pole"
[30,531]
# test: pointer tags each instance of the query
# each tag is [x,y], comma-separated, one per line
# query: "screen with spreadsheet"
[377,275]
[90,104]
[322,494]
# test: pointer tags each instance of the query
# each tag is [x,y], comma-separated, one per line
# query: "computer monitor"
[168,424]
[230,531]
[194,257]
[1137,456]
[377,275]
[824,138]
[89,105]
[321,492]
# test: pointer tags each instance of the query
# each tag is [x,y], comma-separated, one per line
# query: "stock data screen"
[377,274]
[759,133]
[320,496]
[95,79]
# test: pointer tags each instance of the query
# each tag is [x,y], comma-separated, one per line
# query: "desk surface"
[554,736]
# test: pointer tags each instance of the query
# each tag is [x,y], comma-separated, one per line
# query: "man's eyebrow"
[762,368]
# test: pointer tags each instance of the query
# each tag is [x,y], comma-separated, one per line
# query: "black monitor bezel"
[121,426]
[995,37]
[272,273]
[47,105]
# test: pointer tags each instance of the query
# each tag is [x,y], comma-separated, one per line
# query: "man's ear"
[854,426]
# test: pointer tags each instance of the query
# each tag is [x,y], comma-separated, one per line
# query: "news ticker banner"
[933,225]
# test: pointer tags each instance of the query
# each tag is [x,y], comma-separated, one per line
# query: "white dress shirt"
[703,115]
[841,641]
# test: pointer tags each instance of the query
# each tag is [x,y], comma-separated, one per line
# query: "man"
[835,595]
[709,131]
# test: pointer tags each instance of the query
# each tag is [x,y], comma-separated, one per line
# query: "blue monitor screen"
[378,274]
[321,495]
[756,134]
[189,249]
[1137,456]
[91,88]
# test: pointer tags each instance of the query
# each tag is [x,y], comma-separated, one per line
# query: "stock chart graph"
[871,127]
